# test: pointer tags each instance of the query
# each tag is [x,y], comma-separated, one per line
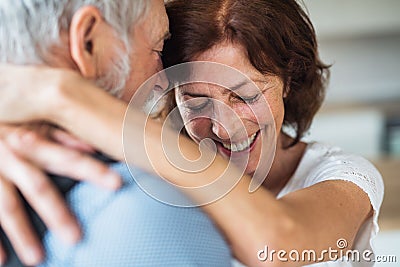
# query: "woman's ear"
[83,35]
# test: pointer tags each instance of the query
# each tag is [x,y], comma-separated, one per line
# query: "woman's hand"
[64,98]
[27,153]
[30,93]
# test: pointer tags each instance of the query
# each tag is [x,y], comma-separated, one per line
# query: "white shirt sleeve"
[333,164]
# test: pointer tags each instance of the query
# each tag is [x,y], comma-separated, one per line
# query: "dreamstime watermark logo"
[340,253]
[215,124]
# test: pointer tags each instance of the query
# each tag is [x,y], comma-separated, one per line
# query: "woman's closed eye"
[251,99]
[197,104]
[249,93]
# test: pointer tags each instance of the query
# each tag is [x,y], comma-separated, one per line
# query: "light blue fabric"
[129,228]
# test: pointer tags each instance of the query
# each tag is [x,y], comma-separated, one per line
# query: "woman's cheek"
[272,109]
[259,114]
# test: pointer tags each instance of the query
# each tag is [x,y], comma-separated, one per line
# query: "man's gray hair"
[29,28]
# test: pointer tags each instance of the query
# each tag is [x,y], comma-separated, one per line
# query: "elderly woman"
[315,197]
[323,194]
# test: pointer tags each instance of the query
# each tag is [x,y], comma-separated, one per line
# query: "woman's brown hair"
[279,39]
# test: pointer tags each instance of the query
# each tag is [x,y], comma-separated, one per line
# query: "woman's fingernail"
[33,256]
[113,180]
[71,235]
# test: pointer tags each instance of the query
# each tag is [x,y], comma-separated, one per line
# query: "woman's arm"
[92,115]
[64,98]
[312,218]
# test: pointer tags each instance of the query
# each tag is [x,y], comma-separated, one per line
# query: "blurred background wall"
[361,114]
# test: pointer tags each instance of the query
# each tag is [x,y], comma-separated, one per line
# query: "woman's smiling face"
[233,118]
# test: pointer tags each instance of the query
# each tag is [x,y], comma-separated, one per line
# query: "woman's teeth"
[241,146]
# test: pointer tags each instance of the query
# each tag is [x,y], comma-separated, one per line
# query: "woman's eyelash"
[247,100]
[250,100]
[198,108]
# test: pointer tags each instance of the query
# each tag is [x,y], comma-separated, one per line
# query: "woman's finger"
[16,226]
[54,133]
[63,161]
[70,141]
[3,256]
[41,195]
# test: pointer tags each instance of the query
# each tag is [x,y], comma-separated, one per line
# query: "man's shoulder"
[156,187]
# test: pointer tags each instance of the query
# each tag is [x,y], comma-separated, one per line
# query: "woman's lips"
[250,148]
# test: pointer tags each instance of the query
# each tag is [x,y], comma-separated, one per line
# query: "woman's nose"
[220,131]
[226,123]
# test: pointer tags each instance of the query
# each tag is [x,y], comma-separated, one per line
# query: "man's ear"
[83,35]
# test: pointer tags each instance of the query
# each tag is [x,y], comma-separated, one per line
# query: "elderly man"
[117,44]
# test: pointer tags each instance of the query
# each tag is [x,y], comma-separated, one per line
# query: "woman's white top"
[324,163]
